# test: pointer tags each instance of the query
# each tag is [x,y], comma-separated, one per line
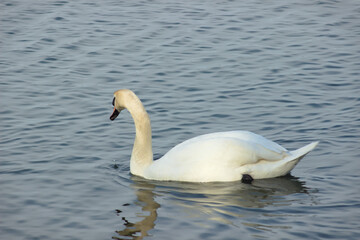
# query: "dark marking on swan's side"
[247,179]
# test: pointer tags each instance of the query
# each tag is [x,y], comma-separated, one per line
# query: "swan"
[214,157]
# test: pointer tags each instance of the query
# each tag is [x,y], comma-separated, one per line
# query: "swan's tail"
[271,169]
[298,154]
[289,162]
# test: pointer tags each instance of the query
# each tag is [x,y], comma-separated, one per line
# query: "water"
[286,70]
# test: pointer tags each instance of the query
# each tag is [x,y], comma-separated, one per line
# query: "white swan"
[222,156]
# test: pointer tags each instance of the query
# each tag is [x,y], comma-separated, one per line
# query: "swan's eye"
[113,102]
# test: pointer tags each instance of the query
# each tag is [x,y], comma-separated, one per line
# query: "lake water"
[288,70]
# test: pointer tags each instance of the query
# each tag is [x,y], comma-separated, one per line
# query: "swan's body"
[222,156]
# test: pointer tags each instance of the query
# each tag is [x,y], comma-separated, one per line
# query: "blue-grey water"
[288,70]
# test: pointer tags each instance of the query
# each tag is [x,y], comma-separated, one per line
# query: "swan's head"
[126,99]
[118,103]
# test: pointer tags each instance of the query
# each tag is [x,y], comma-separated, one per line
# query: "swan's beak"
[114,114]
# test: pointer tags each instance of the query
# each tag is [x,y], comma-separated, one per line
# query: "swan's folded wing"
[248,152]
[264,148]
[258,139]
[222,150]
[267,153]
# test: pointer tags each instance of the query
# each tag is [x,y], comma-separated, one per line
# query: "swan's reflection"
[211,198]
[145,196]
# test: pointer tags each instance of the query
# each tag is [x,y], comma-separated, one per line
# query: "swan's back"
[244,136]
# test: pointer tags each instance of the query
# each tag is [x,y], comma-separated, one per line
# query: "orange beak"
[114,114]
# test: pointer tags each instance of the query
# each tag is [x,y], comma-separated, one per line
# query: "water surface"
[286,70]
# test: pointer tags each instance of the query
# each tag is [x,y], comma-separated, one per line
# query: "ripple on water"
[286,71]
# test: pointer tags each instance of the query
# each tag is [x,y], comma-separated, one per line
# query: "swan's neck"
[142,155]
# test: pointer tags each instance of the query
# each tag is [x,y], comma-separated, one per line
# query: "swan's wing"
[265,147]
[247,136]
[236,148]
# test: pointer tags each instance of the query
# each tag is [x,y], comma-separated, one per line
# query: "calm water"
[287,70]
